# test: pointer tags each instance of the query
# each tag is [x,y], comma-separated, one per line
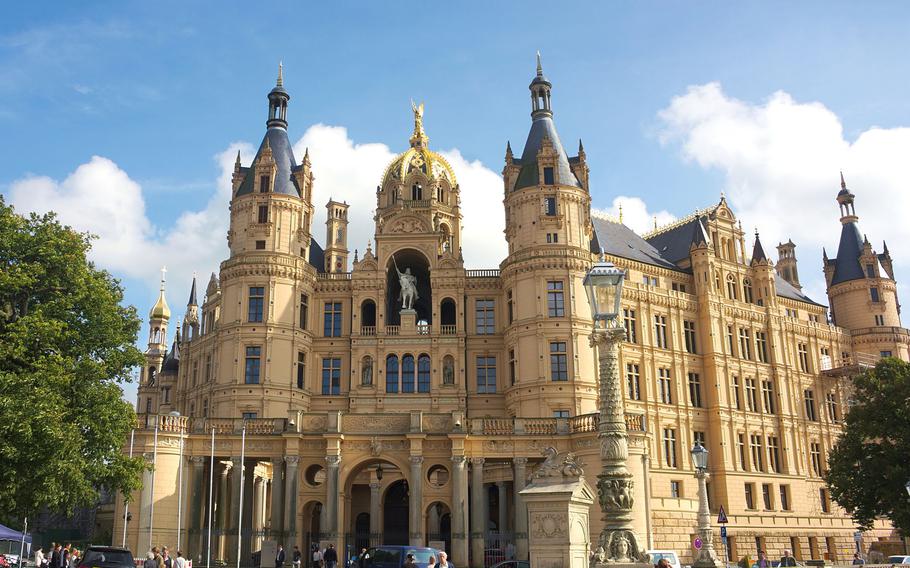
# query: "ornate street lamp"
[705,557]
[617,542]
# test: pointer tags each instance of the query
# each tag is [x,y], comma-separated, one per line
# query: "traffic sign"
[697,543]
[723,532]
[858,536]
[722,516]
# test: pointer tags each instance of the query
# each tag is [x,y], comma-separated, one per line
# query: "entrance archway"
[439,524]
[395,514]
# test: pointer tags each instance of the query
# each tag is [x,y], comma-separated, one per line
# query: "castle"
[399,398]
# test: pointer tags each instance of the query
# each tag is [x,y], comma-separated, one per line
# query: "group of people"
[161,558]
[60,556]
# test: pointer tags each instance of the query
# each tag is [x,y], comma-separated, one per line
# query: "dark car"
[106,557]
[390,556]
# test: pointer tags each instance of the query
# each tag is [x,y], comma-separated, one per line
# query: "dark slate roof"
[283,154]
[786,290]
[172,359]
[846,265]
[758,252]
[674,243]
[192,300]
[619,240]
[542,127]
[317,256]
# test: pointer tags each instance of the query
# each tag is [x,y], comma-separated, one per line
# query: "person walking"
[297,556]
[52,554]
[444,561]
[763,561]
[363,556]
[279,558]
[39,558]
[317,557]
[180,561]
[857,560]
[330,558]
[787,560]
[65,556]
[150,559]
[166,556]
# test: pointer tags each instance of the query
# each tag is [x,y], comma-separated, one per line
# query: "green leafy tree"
[66,346]
[869,465]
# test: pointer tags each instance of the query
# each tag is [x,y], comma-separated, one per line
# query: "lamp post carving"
[617,543]
[706,557]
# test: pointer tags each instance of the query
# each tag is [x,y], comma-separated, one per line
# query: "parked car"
[106,557]
[671,557]
[899,559]
[513,564]
[391,556]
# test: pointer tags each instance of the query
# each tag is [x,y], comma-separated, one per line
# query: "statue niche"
[410,268]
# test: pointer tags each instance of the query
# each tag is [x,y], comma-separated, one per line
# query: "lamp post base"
[707,558]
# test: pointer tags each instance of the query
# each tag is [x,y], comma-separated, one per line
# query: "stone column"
[195,526]
[415,502]
[290,502]
[374,510]
[521,509]
[331,498]
[503,500]
[231,552]
[246,526]
[277,520]
[224,504]
[478,523]
[459,512]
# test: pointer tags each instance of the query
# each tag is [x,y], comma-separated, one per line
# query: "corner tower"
[862,290]
[336,236]
[786,263]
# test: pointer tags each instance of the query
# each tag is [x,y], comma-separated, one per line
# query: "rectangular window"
[253,361]
[815,458]
[730,346]
[675,489]
[785,499]
[750,495]
[751,396]
[660,332]
[208,367]
[809,397]
[766,496]
[628,318]
[741,450]
[304,310]
[873,291]
[755,447]
[263,213]
[774,455]
[255,304]
[736,395]
[301,369]
[560,414]
[483,313]
[761,346]
[689,332]
[664,386]
[831,404]
[555,301]
[195,371]
[548,176]
[331,319]
[884,353]
[870,271]
[695,390]
[559,367]
[745,344]
[264,184]
[699,438]
[260,245]
[331,376]
[767,396]
[670,447]
[824,500]
[879,320]
[248,415]
[510,308]
[486,374]
[205,408]
[549,206]
[633,381]
[803,357]
[511,366]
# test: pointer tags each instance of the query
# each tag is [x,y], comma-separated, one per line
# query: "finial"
[508,148]
[843,184]
[620,213]
[237,161]
[723,195]
[756,232]
[539,67]
[163,276]
[603,257]
[280,81]
[581,147]
[655,222]
[419,138]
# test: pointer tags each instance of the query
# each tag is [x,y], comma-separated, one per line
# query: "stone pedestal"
[558,527]
[408,322]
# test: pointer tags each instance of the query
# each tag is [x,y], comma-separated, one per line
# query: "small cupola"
[540,93]
[278,103]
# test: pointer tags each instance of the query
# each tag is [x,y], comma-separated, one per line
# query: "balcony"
[849,367]
[368,330]
[448,330]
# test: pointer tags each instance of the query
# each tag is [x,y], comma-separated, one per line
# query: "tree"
[66,346]
[868,466]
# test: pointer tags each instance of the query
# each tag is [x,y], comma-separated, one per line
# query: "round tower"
[336,236]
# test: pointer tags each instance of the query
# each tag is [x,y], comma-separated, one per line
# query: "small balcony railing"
[448,329]
[393,330]
[368,330]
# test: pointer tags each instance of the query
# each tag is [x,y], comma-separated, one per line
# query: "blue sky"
[161,89]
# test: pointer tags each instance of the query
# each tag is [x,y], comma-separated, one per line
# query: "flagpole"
[152,492]
[22,544]
[180,493]
[208,560]
[240,513]
[126,505]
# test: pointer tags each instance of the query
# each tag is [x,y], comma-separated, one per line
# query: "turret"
[191,318]
[336,236]
[786,263]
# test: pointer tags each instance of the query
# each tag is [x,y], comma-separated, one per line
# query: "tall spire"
[192,300]
[758,252]
[280,81]
[843,184]
[540,93]
[539,66]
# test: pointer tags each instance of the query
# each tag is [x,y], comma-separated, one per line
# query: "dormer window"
[548,178]
[870,271]
[264,182]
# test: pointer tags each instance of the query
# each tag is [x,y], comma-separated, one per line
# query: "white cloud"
[781,160]
[635,214]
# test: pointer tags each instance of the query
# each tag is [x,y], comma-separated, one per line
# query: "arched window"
[441,195]
[731,287]
[416,192]
[747,290]
[447,312]
[407,373]
[391,373]
[423,373]
[368,317]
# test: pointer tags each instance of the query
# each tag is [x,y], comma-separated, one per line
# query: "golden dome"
[160,310]
[418,159]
